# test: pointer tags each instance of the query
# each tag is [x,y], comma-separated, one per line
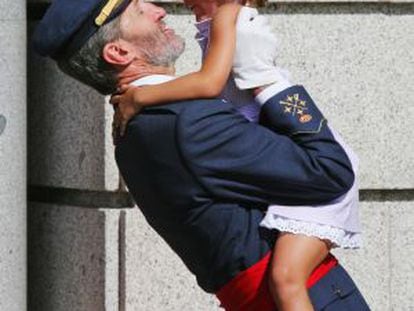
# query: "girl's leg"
[294,258]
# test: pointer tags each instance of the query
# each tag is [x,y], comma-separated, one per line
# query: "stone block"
[13,109]
[383,268]
[73,258]
[156,279]
[13,96]
[13,10]
[13,165]
[112,259]
[13,259]
[69,131]
[402,255]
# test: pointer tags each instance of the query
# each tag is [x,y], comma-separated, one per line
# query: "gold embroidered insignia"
[296,107]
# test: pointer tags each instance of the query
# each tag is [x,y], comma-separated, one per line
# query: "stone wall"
[89,250]
[13,155]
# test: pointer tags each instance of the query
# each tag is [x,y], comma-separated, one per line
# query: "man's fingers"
[122,128]
[119,124]
[115,99]
[123,88]
[114,132]
[116,122]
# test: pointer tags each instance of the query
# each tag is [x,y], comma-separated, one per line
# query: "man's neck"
[137,71]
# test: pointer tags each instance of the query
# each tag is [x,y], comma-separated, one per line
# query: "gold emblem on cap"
[106,11]
[296,107]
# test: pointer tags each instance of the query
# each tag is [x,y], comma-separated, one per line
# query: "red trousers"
[249,291]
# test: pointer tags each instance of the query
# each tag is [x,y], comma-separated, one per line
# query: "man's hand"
[125,106]
[256,51]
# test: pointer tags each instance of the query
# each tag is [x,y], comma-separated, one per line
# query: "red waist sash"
[249,291]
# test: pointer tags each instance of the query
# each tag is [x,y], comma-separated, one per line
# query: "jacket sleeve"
[242,161]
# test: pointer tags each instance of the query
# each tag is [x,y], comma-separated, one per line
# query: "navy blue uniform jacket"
[203,175]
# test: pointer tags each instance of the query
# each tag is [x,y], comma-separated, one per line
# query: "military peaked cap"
[68,24]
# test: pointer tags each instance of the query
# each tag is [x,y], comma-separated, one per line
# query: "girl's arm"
[211,78]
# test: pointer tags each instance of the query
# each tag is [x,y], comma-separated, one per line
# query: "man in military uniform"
[202,174]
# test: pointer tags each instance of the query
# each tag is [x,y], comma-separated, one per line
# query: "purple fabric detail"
[203,35]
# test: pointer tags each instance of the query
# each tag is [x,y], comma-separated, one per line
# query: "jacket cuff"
[293,111]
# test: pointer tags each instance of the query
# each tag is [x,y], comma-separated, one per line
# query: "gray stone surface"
[67,258]
[68,132]
[358,68]
[369,266]
[3,123]
[12,10]
[13,164]
[402,255]
[111,259]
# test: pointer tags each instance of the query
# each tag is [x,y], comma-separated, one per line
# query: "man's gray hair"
[88,65]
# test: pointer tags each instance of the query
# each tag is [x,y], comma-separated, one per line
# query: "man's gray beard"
[160,50]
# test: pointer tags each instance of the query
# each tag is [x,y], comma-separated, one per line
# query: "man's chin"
[169,32]
[163,48]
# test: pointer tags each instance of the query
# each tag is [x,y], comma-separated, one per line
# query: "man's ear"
[117,53]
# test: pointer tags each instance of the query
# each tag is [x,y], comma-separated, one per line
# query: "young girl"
[307,232]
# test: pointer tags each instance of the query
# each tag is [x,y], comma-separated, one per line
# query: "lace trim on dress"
[339,237]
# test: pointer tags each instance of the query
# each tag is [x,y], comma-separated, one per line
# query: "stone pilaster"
[13,155]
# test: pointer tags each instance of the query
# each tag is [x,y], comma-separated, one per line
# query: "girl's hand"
[125,106]
[254,65]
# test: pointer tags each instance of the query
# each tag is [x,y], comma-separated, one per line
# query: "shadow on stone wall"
[66,129]
[66,252]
